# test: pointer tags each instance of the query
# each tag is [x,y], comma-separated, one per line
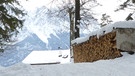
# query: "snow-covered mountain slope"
[53,34]
[17,52]
[37,34]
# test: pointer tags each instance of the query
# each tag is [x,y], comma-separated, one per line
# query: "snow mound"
[123,66]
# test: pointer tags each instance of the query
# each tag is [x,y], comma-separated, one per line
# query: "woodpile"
[96,49]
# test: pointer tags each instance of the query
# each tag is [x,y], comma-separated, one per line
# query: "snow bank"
[123,66]
[106,29]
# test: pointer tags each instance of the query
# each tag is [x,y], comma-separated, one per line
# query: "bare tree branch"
[66,8]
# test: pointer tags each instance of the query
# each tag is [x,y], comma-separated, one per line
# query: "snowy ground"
[124,66]
[40,38]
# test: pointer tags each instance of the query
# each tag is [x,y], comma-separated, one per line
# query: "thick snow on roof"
[52,56]
[106,29]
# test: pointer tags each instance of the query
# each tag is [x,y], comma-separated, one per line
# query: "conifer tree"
[106,19]
[10,19]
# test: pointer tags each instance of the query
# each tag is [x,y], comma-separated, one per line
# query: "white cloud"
[33,4]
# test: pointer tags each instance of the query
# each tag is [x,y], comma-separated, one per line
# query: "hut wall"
[126,39]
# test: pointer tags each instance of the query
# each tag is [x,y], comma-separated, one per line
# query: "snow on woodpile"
[100,44]
[95,49]
[105,30]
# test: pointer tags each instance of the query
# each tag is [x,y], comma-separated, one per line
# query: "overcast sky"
[108,7]
[31,5]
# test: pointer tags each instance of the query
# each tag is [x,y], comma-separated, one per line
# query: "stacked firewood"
[95,49]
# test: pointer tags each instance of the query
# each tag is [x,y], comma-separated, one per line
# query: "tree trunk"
[72,32]
[77,18]
[72,27]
